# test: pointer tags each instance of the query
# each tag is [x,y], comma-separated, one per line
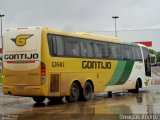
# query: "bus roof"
[82,35]
[76,34]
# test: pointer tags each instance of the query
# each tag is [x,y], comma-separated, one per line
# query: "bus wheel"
[136,90]
[110,94]
[87,91]
[39,99]
[74,93]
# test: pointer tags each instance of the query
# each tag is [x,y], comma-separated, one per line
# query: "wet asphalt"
[122,105]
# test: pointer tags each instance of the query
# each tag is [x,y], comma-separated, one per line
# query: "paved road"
[146,102]
[101,107]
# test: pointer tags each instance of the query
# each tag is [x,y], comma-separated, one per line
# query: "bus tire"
[74,93]
[55,99]
[110,94]
[136,90]
[87,91]
[39,99]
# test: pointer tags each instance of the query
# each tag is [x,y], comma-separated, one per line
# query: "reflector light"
[20,62]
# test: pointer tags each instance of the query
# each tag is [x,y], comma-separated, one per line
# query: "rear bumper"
[23,90]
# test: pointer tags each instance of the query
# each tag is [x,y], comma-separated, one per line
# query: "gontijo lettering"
[96,65]
[21,56]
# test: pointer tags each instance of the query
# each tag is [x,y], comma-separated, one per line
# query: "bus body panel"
[21,60]
[71,69]
[137,71]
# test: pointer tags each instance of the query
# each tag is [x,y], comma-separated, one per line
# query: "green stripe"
[117,73]
[126,73]
[121,73]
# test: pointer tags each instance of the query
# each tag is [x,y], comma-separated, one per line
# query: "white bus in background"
[153,60]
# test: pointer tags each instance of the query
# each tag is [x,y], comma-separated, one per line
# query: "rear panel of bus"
[22,62]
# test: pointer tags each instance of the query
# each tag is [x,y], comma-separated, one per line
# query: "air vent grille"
[54,86]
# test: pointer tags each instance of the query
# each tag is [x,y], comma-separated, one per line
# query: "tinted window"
[114,51]
[84,50]
[126,52]
[60,45]
[72,46]
[146,61]
[98,49]
[104,47]
[90,52]
[87,48]
[136,51]
[145,53]
[52,44]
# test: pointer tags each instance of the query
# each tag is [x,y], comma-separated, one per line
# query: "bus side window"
[105,50]
[72,47]
[60,45]
[114,51]
[52,44]
[111,51]
[134,52]
[90,47]
[146,61]
[127,52]
[137,56]
[98,49]
[83,46]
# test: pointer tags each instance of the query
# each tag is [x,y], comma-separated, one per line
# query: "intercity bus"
[45,63]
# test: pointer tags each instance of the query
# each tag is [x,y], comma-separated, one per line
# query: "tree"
[151,51]
[158,56]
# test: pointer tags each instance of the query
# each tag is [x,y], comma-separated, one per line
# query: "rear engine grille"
[54,86]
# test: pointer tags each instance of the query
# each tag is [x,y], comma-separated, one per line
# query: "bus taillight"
[43,73]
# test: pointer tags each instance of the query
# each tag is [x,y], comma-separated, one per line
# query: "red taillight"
[43,70]
[43,73]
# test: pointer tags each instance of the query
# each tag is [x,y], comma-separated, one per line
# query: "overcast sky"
[81,15]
